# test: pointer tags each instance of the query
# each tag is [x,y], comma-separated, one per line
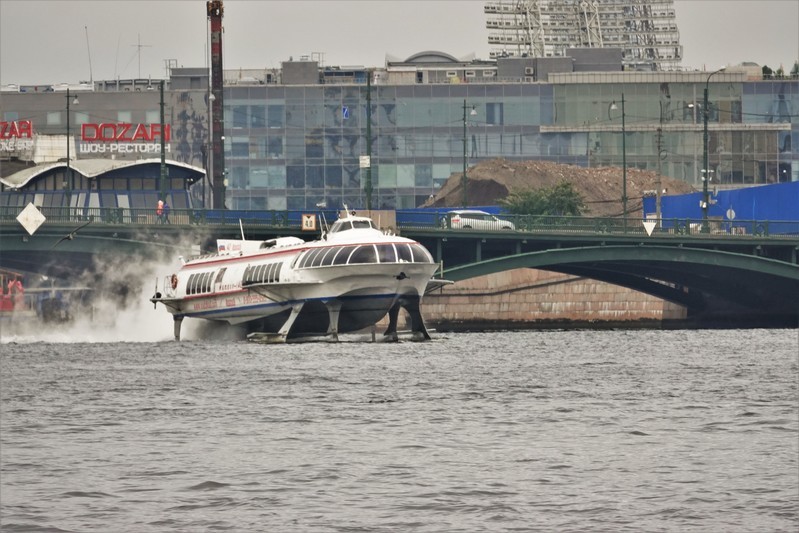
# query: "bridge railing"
[611,225]
[286,219]
[409,220]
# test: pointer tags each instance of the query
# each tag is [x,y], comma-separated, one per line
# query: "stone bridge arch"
[700,279]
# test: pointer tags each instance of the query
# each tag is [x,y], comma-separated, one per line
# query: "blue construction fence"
[777,202]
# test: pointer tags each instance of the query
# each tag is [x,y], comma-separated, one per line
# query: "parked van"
[474,219]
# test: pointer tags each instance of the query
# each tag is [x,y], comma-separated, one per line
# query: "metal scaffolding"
[645,30]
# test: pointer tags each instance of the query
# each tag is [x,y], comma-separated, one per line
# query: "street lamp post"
[623,161]
[162,177]
[464,191]
[706,171]
[68,185]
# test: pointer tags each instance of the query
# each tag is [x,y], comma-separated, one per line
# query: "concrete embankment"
[536,299]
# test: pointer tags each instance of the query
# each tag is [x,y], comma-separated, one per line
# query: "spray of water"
[120,310]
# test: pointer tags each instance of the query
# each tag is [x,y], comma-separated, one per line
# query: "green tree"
[795,69]
[560,200]
[767,72]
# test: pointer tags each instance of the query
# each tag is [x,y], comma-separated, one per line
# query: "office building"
[644,30]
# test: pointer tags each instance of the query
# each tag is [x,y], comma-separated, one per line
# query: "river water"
[505,431]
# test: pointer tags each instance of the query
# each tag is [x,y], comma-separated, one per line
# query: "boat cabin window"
[386,253]
[191,285]
[265,273]
[199,283]
[342,255]
[325,258]
[404,253]
[413,253]
[420,254]
[310,255]
[364,253]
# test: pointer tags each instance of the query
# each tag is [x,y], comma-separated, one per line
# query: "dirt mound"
[601,188]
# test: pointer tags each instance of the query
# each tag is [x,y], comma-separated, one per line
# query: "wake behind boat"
[285,289]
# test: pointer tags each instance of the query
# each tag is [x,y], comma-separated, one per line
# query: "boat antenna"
[241,226]
[323,221]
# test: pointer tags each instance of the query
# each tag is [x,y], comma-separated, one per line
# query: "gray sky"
[45,41]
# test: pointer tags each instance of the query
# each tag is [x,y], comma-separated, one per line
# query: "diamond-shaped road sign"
[31,218]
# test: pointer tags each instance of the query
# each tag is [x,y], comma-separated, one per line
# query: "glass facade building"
[294,146]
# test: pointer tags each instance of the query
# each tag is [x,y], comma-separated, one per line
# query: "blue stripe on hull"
[357,312]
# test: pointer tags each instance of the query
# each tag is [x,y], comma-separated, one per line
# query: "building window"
[495,113]
[470,74]
[257,116]
[124,117]
[54,118]
[274,116]
[152,117]
[275,147]
[240,149]
[239,116]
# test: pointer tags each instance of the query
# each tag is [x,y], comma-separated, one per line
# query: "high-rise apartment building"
[645,30]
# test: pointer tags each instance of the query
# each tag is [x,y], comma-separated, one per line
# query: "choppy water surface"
[523,431]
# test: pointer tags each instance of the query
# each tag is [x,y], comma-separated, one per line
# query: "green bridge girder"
[735,274]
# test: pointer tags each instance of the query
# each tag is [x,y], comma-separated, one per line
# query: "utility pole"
[368,186]
[623,165]
[464,182]
[215,11]
[613,106]
[464,193]
[68,181]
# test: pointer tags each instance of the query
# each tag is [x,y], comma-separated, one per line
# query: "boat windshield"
[344,225]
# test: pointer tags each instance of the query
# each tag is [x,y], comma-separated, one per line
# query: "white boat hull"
[365,293]
[291,289]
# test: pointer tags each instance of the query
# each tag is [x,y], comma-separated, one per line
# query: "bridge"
[746,272]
